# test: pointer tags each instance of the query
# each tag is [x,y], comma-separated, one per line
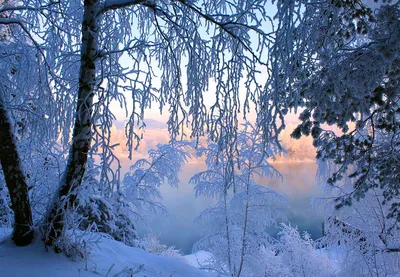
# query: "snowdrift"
[106,257]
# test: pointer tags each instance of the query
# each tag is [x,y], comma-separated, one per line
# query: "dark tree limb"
[16,182]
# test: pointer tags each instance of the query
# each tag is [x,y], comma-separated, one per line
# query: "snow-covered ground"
[199,258]
[106,258]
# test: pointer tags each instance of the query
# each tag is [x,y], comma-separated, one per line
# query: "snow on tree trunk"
[16,183]
[81,140]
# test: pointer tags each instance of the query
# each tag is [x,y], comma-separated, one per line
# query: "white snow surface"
[107,257]
[199,258]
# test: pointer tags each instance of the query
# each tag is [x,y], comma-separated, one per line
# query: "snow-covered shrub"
[153,245]
[75,243]
[273,264]
[125,225]
[75,250]
[300,255]
[100,214]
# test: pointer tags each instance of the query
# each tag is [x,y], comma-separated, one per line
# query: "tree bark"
[16,182]
[81,140]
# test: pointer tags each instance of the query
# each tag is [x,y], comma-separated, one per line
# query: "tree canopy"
[66,63]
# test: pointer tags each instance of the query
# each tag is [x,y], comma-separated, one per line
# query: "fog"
[297,166]
[298,186]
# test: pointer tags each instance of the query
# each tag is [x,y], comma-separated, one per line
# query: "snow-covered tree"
[163,53]
[339,61]
[25,106]
[150,35]
[237,233]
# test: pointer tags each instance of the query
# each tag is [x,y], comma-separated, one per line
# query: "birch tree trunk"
[228,238]
[16,183]
[245,221]
[81,141]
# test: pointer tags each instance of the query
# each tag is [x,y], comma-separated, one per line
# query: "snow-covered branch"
[110,5]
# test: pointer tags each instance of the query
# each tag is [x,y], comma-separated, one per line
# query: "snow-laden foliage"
[43,167]
[141,185]
[339,61]
[237,232]
[292,254]
[363,236]
[153,245]
[160,53]
[66,64]
[105,215]
[103,210]
[300,255]
[24,82]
